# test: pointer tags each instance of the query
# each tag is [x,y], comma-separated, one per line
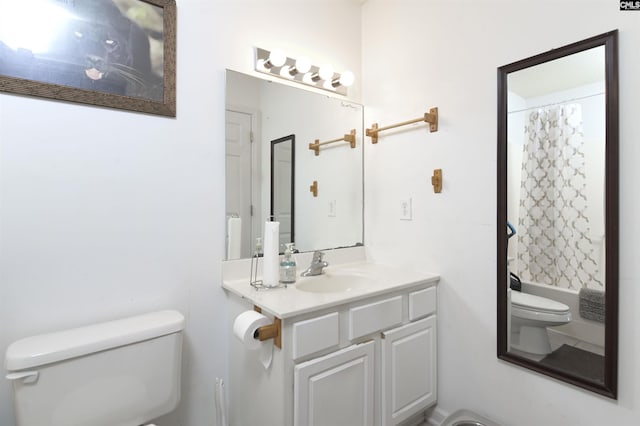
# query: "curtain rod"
[557,103]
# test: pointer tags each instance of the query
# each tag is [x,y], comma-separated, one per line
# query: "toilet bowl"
[530,317]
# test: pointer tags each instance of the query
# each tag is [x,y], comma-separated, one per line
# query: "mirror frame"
[292,139]
[610,386]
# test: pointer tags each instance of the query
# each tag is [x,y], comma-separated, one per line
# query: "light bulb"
[326,72]
[260,65]
[347,78]
[277,57]
[303,64]
[328,84]
[286,72]
[309,78]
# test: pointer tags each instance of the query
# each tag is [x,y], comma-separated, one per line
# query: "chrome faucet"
[317,264]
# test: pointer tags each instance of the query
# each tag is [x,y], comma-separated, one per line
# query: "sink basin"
[334,282]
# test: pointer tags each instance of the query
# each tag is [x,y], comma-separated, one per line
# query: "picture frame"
[113,53]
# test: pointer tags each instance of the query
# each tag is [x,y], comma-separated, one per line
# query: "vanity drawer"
[422,303]
[368,319]
[315,334]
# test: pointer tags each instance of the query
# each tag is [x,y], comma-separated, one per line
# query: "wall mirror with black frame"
[557,213]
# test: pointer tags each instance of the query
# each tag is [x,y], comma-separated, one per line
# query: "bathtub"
[580,328]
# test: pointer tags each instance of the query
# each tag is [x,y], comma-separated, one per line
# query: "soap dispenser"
[288,266]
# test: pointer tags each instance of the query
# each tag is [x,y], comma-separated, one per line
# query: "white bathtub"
[580,328]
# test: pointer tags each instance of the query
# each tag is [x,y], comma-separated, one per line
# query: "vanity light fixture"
[300,70]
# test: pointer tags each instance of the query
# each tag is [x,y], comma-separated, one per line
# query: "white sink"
[334,282]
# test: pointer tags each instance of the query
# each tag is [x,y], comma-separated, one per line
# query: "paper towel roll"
[271,258]
[245,326]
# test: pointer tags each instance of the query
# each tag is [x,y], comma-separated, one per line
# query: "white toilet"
[119,373]
[530,317]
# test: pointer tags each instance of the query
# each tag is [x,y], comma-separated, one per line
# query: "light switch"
[405,209]
[332,208]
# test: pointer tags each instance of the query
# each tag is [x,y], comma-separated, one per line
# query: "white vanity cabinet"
[408,370]
[367,362]
[336,389]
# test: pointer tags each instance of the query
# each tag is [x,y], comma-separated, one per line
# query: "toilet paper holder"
[271,331]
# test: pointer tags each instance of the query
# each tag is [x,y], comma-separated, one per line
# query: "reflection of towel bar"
[351,138]
[430,117]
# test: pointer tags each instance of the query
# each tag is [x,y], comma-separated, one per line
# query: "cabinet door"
[408,379]
[336,389]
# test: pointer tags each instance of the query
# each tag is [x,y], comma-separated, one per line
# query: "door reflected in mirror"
[557,204]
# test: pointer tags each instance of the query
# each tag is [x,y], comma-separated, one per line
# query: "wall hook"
[436,181]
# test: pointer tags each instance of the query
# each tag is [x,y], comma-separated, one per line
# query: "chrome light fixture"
[277,64]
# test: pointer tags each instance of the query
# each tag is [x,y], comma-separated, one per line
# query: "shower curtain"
[554,246]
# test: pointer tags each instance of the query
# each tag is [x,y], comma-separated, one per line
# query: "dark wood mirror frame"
[610,386]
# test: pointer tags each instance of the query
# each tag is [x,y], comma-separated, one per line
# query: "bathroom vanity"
[358,347]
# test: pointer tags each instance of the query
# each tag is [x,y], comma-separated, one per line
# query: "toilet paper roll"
[245,326]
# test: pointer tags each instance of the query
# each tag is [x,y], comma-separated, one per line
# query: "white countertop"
[290,301]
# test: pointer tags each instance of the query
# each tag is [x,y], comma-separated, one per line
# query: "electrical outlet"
[332,208]
[405,209]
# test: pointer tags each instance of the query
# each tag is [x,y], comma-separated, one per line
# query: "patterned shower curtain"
[554,246]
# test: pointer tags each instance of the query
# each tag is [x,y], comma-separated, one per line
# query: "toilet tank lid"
[533,302]
[44,349]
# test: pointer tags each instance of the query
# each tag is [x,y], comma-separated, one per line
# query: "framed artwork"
[114,53]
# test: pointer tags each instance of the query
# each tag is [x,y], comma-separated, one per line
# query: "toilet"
[124,372]
[530,317]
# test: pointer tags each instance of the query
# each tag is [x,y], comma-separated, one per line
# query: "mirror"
[282,186]
[557,230]
[275,116]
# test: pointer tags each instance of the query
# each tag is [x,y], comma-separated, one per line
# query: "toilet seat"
[532,307]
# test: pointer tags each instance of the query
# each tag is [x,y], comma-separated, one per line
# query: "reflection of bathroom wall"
[592,99]
[338,168]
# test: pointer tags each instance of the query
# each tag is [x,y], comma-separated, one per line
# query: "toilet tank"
[118,373]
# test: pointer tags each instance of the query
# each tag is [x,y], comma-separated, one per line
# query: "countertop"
[290,301]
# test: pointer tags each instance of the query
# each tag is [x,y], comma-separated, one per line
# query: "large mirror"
[266,119]
[557,236]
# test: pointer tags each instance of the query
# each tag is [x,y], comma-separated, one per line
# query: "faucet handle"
[318,256]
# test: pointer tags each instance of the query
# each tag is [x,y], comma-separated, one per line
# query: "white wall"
[446,54]
[108,213]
